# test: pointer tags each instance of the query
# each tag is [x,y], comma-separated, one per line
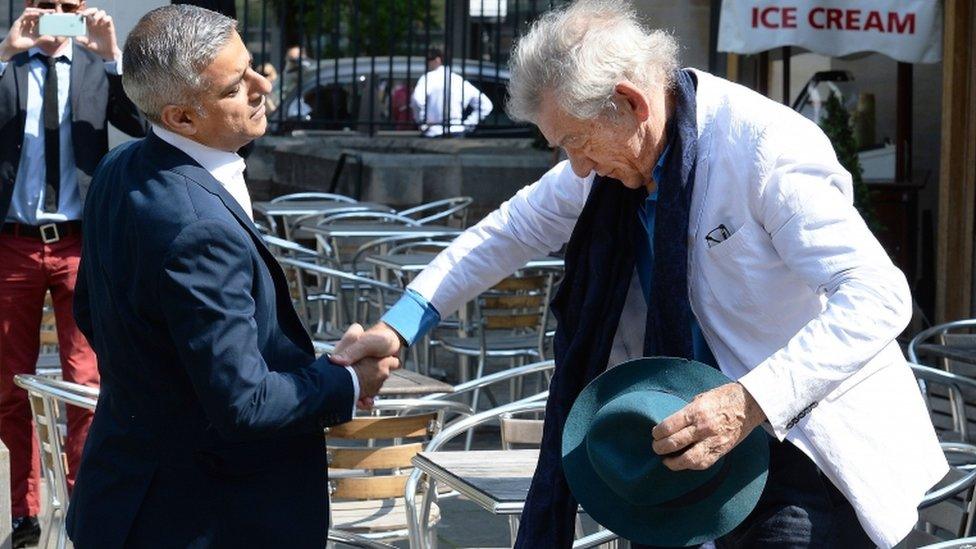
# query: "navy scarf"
[600,261]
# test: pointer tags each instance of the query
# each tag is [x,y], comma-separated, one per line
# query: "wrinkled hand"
[707,428]
[23,34]
[373,354]
[101,39]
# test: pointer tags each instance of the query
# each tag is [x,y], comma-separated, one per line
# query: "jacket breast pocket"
[741,272]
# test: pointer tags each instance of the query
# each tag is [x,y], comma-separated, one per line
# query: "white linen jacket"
[800,303]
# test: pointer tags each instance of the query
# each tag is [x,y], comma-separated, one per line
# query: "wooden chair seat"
[373,516]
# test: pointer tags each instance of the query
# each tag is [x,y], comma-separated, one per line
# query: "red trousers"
[28,269]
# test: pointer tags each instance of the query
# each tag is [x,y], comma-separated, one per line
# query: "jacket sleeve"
[538,220]
[205,294]
[805,205]
[122,112]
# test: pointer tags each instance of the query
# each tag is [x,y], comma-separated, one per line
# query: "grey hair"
[580,52]
[166,54]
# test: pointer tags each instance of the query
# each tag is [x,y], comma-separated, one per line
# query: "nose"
[259,84]
[582,164]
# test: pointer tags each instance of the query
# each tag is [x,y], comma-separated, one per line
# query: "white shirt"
[228,169]
[430,95]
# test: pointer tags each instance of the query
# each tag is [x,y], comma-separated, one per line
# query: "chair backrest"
[517,304]
[374,462]
[517,432]
[300,197]
[950,397]
[46,396]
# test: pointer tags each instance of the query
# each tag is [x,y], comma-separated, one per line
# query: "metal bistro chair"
[303,197]
[418,516]
[369,463]
[509,322]
[46,397]
[330,326]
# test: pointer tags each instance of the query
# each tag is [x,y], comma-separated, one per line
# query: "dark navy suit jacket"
[209,426]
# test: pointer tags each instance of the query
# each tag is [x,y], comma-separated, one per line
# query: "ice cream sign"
[906,30]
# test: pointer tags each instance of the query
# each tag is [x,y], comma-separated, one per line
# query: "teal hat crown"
[624,485]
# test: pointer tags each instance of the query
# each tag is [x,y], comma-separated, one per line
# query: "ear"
[639,103]
[179,119]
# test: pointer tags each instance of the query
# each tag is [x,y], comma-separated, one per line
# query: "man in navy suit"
[209,426]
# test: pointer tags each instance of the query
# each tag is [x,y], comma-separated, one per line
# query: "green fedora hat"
[622,483]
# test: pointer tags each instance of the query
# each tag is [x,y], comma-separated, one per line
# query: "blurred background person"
[433,98]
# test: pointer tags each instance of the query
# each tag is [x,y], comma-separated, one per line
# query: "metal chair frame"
[447,207]
[418,517]
[45,397]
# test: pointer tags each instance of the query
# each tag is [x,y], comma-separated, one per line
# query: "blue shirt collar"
[66,54]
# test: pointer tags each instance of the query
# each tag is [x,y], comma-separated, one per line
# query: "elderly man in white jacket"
[789,292]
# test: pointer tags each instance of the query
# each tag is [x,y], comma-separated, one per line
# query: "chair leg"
[474,400]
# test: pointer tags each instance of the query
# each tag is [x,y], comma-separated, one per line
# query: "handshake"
[372,354]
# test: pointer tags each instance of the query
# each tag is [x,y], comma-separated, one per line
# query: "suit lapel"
[80,63]
[21,74]
[182,163]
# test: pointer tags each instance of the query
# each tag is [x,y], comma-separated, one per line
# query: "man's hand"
[380,341]
[101,38]
[23,34]
[707,428]
[372,355]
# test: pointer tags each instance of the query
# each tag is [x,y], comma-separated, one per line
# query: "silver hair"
[580,52]
[166,54]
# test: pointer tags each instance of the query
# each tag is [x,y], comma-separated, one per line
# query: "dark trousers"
[798,508]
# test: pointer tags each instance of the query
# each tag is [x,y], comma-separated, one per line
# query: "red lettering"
[853,20]
[833,18]
[901,25]
[789,18]
[763,17]
[755,17]
[812,18]
[874,22]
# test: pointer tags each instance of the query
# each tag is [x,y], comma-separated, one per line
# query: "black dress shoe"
[26,531]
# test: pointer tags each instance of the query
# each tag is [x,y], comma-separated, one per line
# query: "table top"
[414,262]
[409,383]
[309,207]
[379,230]
[497,480]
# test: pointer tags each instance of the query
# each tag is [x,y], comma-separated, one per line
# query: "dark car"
[368,94]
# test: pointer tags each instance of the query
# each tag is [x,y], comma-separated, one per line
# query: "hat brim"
[691,524]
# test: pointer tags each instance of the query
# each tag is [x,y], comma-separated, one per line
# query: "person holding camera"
[57,91]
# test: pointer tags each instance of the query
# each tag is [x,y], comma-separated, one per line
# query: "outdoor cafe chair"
[441,211]
[303,197]
[419,523]
[46,398]
[509,322]
[369,463]
[539,370]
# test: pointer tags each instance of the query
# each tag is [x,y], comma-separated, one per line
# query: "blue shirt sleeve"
[412,317]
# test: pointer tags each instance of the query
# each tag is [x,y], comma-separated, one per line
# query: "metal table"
[309,207]
[415,262]
[497,480]
[379,230]
[407,383]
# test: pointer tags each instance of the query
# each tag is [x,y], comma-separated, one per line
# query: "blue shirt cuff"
[412,317]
